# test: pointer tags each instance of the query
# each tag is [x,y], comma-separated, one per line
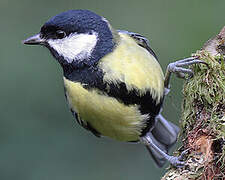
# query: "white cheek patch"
[75,46]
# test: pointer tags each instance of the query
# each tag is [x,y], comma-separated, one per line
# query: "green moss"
[206,91]
[204,108]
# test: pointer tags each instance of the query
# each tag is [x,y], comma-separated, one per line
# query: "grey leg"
[175,161]
[177,67]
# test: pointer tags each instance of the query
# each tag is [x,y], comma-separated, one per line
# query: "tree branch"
[203,116]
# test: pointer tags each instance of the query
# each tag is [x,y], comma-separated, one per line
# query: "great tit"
[113,82]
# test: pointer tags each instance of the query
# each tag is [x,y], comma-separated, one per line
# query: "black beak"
[34,40]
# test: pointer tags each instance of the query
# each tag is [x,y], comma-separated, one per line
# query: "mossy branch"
[203,116]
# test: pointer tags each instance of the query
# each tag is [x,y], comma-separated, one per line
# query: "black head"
[73,21]
[76,38]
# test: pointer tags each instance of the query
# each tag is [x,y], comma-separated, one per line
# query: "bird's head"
[76,37]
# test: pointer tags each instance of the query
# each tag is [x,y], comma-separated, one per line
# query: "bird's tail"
[164,136]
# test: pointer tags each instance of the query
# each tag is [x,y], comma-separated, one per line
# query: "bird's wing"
[140,40]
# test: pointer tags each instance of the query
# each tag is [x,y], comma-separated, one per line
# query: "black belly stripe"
[147,105]
[92,78]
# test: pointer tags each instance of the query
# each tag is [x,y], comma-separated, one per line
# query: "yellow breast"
[108,116]
[135,66]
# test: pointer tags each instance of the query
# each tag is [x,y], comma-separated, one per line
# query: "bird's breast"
[134,66]
[105,114]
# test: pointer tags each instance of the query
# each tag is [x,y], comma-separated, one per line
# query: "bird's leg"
[173,160]
[177,67]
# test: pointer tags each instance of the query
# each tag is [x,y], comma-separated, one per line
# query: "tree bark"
[203,116]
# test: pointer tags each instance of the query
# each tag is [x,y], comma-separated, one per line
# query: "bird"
[113,82]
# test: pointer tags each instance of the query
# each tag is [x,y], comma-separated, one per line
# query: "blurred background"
[39,139]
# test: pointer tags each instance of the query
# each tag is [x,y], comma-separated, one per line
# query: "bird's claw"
[183,154]
[178,67]
[179,160]
[176,162]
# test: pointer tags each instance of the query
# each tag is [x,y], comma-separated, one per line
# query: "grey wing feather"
[140,40]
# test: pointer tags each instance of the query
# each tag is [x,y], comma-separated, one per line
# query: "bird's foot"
[178,66]
[178,161]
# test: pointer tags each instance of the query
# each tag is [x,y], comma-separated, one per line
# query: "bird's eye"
[60,34]
[90,32]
